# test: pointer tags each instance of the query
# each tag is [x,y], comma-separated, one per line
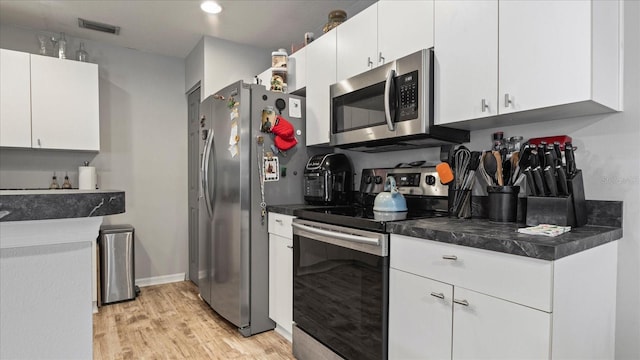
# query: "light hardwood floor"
[171,322]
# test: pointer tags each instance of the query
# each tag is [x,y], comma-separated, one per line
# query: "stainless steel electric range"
[341,266]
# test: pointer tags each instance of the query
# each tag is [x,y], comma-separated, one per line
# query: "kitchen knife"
[550,179]
[556,148]
[570,160]
[550,159]
[531,186]
[542,148]
[537,179]
[563,188]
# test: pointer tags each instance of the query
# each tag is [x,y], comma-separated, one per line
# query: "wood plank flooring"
[170,321]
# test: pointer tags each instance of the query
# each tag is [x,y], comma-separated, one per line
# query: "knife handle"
[531,186]
[570,159]
[550,178]
[562,181]
[537,178]
[550,159]
[556,148]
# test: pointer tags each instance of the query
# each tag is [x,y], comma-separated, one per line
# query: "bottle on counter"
[54,182]
[62,47]
[66,184]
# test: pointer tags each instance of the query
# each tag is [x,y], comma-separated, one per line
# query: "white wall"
[609,157]
[143,139]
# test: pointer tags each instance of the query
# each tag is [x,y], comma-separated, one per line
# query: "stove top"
[361,217]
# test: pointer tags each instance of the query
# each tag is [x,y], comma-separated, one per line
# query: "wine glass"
[42,39]
[54,44]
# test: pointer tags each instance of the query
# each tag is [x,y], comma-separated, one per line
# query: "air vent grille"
[94,25]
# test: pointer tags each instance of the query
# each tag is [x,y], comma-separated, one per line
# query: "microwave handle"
[387,106]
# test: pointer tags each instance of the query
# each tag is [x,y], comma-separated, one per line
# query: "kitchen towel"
[87,178]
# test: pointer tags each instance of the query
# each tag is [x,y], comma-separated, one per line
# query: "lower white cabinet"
[449,302]
[281,272]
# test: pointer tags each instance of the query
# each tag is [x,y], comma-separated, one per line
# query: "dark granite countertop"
[21,205]
[604,225]
[482,234]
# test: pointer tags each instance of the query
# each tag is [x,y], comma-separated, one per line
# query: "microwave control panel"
[407,89]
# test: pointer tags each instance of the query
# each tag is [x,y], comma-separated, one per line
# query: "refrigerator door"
[204,217]
[227,184]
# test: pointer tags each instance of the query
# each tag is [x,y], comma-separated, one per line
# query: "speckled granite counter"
[22,205]
[289,209]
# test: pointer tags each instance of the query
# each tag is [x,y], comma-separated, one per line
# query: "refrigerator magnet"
[233,136]
[271,168]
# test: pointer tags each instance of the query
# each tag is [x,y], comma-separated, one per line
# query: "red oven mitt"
[283,130]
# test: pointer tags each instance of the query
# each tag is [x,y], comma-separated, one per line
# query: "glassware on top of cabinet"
[62,47]
[66,184]
[42,40]
[81,54]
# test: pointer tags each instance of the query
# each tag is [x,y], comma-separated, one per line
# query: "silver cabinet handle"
[279,221]
[387,106]
[369,62]
[290,246]
[461,302]
[449,257]
[507,100]
[438,295]
[485,105]
[380,58]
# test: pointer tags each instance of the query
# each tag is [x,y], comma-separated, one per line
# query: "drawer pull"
[290,246]
[461,302]
[438,295]
[279,221]
[449,257]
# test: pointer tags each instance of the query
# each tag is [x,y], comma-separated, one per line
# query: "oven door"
[340,288]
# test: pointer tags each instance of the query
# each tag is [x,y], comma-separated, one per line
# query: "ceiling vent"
[94,25]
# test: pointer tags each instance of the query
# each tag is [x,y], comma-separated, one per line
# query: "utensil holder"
[503,203]
[460,203]
[550,210]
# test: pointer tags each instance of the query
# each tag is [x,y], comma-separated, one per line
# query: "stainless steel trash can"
[117,275]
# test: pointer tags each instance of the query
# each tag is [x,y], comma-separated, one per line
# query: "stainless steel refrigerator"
[238,177]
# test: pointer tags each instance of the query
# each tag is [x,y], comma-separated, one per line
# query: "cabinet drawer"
[280,224]
[519,279]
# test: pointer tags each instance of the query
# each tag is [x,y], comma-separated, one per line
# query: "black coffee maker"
[328,179]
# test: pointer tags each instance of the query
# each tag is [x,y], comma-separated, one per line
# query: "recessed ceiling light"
[211,7]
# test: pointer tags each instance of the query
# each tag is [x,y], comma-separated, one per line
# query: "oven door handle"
[338,235]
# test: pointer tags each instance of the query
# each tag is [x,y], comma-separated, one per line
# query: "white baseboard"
[164,279]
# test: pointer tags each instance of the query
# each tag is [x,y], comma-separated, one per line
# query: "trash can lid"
[107,229]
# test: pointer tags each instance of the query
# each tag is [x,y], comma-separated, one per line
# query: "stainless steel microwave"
[389,108]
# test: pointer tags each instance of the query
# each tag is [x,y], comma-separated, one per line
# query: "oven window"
[340,297]
[359,109]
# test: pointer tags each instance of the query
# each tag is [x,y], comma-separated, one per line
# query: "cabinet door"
[297,70]
[321,73]
[545,53]
[404,27]
[466,60]
[419,317]
[281,281]
[357,43]
[64,104]
[492,328]
[265,78]
[15,99]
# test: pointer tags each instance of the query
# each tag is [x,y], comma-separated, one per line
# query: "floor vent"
[94,25]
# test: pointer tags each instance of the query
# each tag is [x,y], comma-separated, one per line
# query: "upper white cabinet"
[297,70]
[15,99]
[321,74]
[64,104]
[494,57]
[383,32]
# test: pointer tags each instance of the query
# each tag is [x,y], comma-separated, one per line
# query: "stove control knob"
[367,179]
[430,180]
[378,179]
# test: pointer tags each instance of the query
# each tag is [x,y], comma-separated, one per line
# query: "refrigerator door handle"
[208,148]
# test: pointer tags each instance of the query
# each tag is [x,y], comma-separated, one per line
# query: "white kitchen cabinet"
[517,61]
[491,305]
[265,78]
[321,74]
[64,104]
[297,70]
[281,272]
[384,31]
[15,99]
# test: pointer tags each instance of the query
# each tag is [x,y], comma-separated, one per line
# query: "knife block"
[550,210]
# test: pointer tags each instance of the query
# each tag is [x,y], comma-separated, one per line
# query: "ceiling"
[173,28]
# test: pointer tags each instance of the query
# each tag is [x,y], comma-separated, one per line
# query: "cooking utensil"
[515,167]
[461,157]
[445,173]
[490,166]
[537,179]
[531,186]
[563,188]
[506,172]
[498,176]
